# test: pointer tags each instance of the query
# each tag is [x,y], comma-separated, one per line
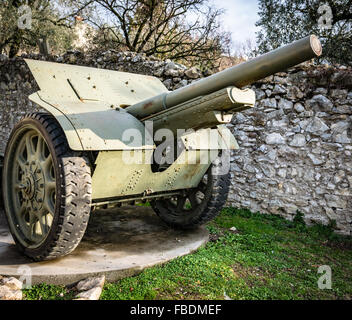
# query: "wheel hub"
[33,182]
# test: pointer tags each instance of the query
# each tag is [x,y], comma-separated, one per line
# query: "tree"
[283,21]
[181,30]
[46,22]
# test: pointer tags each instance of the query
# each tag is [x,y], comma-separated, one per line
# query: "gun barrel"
[239,76]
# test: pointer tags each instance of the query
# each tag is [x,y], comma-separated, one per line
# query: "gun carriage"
[94,147]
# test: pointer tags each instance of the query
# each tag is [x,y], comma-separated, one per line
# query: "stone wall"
[296,147]
[296,144]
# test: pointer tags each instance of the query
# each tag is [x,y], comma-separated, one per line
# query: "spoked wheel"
[196,206]
[192,199]
[33,187]
[46,189]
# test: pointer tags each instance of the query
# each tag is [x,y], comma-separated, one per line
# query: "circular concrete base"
[118,243]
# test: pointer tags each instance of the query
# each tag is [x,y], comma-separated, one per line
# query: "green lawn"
[266,258]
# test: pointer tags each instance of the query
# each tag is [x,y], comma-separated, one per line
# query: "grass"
[266,258]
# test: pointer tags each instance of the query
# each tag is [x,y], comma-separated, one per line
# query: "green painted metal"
[210,139]
[97,126]
[89,103]
[127,173]
[239,76]
[205,111]
[65,82]
[117,176]
[72,136]
[135,199]
[91,123]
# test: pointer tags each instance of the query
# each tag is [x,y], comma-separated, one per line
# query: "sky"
[240,18]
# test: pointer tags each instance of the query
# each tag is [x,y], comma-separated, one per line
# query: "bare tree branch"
[162,28]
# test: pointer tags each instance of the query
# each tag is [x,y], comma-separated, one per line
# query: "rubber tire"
[73,191]
[215,199]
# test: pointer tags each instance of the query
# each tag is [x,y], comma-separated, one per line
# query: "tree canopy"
[23,23]
[283,21]
[187,31]
[181,30]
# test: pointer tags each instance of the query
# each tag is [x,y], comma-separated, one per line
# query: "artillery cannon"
[94,148]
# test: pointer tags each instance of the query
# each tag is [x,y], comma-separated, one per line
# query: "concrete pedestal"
[118,243]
